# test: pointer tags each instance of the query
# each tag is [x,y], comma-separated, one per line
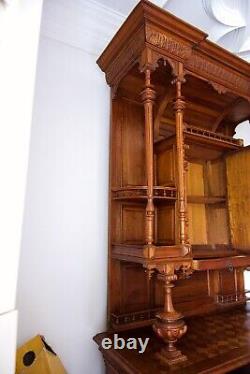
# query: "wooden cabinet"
[179,181]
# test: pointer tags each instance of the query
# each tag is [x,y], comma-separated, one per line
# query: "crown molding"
[85,24]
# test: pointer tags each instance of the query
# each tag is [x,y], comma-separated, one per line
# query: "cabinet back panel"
[238,178]
[166,224]
[215,178]
[128,151]
[166,167]
[186,290]
[217,224]
[134,288]
[227,282]
[195,179]
[128,223]
[197,225]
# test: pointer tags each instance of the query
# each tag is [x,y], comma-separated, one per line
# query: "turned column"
[179,106]
[169,325]
[148,98]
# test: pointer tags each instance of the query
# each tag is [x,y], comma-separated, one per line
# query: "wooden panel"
[238,178]
[132,223]
[194,287]
[217,224]
[195,179]
[216,178]
[133,157]
[197,224]
[134,293]
[166,224]
[128,148]
[166,167]
[187,292]
[227,284]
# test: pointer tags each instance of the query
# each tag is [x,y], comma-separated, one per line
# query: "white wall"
[63,266]
[19,32]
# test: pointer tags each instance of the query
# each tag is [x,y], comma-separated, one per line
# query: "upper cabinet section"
[150,34]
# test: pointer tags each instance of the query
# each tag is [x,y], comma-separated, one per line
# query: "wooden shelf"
[221,263]
[201,251]
[140,193]
[206,199]
[145,253]
[200,135]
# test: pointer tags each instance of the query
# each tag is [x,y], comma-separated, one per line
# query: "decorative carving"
[211,69]
[211,135]
[141,193]
[123,319]
[218,87]
[172,46]
[231,298]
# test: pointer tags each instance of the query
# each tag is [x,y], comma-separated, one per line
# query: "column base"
[170,327]
[171,358]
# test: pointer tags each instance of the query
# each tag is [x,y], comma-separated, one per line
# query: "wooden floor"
[215,343]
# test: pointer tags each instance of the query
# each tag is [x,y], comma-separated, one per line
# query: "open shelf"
[200,135]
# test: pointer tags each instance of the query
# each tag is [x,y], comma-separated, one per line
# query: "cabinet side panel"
[238,186]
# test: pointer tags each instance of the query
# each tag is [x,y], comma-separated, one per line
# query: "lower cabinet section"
[204,291]
[214,344]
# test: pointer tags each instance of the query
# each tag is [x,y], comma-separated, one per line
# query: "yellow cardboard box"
[36,357]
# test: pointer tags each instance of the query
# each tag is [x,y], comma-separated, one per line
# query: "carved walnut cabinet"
[179,213]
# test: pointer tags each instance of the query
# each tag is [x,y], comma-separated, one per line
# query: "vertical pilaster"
[148,98]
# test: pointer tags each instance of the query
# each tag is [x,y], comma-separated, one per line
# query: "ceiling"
[226,21]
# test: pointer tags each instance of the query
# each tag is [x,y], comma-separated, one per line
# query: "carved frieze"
[211,70]
[166,42]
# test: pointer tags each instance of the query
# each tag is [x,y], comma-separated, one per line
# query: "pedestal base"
[171,358]
[170,329]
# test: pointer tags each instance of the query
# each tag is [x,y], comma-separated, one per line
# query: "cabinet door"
[238,188]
